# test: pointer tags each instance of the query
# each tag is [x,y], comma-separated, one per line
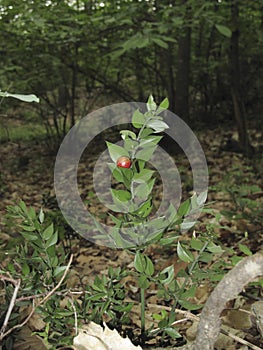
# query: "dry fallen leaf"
[95,337]
[26,341]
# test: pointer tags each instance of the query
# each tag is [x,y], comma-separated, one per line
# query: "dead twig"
[4,334]
[16,283]
[189,316]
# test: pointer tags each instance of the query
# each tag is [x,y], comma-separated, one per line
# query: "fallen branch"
[227,289]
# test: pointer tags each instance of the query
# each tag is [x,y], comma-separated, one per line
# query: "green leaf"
[172,215]
[143,282]
[146,153]
[116,172]
[30,236]
[169,271]
[186,225]
[143,190]
[116,221]
[121,195]
[127,133]
[25,269]
[25,98]
[22,205]
[189,306]
[54,261]
[130,144]
[153,139]
[206,257]
[116,151]
[144,210]
[189,293]
[168,240]
[149,270]
[172,332]
[140,262]
[48,232]
[224,30]
[41,216]
[184,208]
[145,132]
[59,270]
[28,228]
[151,105]
[32,213]
[184,254]
[244,249]
[157,125]
[143,175]
[138,119]
[202,198]
[141,164]
[196,244]
[157,317]
[216,249]
[160,43]
[164,104]
[136,41]
[52,240]
[117,238]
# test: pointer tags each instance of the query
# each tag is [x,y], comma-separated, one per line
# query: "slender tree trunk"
[182,81]
[170,79]
[238,104]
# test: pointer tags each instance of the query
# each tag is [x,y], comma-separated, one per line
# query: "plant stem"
[197,258]
[142,311]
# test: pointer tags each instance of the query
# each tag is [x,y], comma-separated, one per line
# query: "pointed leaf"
[138,119]
[41,216]
[169,271]
[121,195]
[143,176]
[52,240]
[149,270]
[48,232]
[164,104]
[183,254]
[25,98]
[151,105]
[146,153]
[157,125]
[224,30]
[116,151]
[160,43]
[127,133]
[139,262]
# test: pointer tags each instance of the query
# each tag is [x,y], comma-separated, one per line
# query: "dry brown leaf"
[26,341]
[36,322]
[237,319]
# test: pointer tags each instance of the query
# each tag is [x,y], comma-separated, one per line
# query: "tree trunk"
[238,104]
[170,79]
[182,81]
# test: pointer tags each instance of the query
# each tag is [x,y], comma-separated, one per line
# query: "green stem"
[142,311]
[197,258]
[143,127]
[191,268]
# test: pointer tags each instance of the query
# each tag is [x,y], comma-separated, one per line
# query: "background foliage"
[71,53]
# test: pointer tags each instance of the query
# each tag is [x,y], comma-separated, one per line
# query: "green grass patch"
[22,132]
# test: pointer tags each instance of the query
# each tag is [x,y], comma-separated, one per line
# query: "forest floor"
[235,192]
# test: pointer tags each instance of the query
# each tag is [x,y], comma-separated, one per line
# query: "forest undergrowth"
[234,219]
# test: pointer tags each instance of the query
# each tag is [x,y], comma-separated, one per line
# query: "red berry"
[124,162]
